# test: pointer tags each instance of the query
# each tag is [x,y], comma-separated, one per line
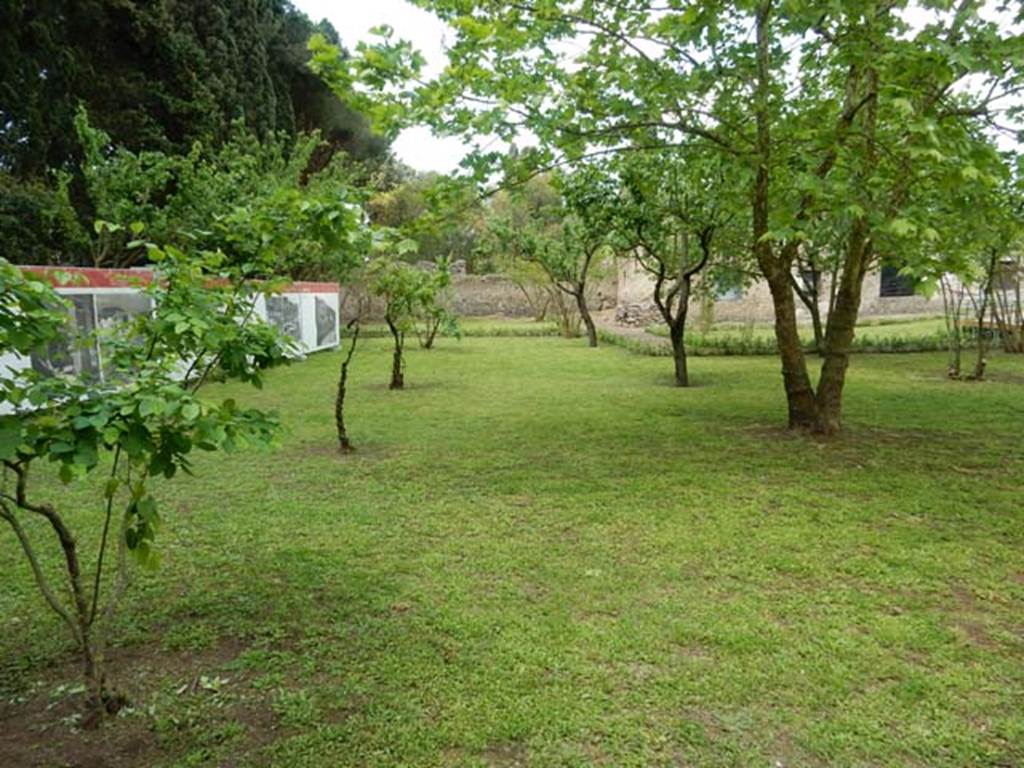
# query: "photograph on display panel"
[283,313]
[75,354]
[326,322]
[115,308]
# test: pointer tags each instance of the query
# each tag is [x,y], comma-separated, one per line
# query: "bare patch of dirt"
[505,755]
[966,618]
[595,754]
[694,651]
[40,734]
[41,729]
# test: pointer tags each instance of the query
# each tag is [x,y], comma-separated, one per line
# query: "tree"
[976,231]
[143,420]
[433,314]
[398,284]
[590,201]
[169,83]
[675,206]
[254,200]
[344,442]
[836,114]
[553,232]
[162,75]
[1008,248]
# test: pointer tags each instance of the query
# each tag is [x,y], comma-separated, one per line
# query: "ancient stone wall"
[475,296]
[636,306]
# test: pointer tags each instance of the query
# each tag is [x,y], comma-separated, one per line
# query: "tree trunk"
[951,300]
[344,444]
[819,333]
[842,320]
[676,334]
[588,321]
[432,327]
[983,303]
[397,366]
[799,395]
[79,617]
[91,662]
[801,405]
[809,296]
[842,323]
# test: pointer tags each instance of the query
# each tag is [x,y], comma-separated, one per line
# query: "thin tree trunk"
[982,310]
[951,306]
[344,444]
[809,298]
[397,373]
[588,321]
[819,333]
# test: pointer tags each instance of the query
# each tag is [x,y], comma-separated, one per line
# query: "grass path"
[544,555]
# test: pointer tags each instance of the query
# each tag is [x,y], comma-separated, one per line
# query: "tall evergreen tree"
[160,75]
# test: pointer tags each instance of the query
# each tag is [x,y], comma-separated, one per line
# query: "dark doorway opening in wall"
[894,284]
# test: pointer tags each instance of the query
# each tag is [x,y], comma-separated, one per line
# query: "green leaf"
[10,437]
[151,406]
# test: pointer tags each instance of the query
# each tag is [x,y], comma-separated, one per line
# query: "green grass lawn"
[544,555]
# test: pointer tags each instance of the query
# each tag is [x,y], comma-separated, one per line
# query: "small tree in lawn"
[1008,274]
[589,199]
[344,442]
[974,231]
[143,422]
[553,230]
[398,285]
[673,211]
[433,312]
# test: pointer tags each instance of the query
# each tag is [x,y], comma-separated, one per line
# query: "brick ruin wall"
[629,290]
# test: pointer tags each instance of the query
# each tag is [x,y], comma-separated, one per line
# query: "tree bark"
[842,320]
[809,296]
[980,361]
[679,354]
[344,444]
[588,321]
[800,402]
[819,332]
[776,267]
[839,334]
[433,325]
[951,301]
[397,366]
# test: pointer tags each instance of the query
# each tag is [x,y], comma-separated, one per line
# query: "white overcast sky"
[354,19]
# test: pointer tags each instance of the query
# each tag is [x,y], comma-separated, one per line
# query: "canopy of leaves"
[248,198]
[161,75]
[584,80]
